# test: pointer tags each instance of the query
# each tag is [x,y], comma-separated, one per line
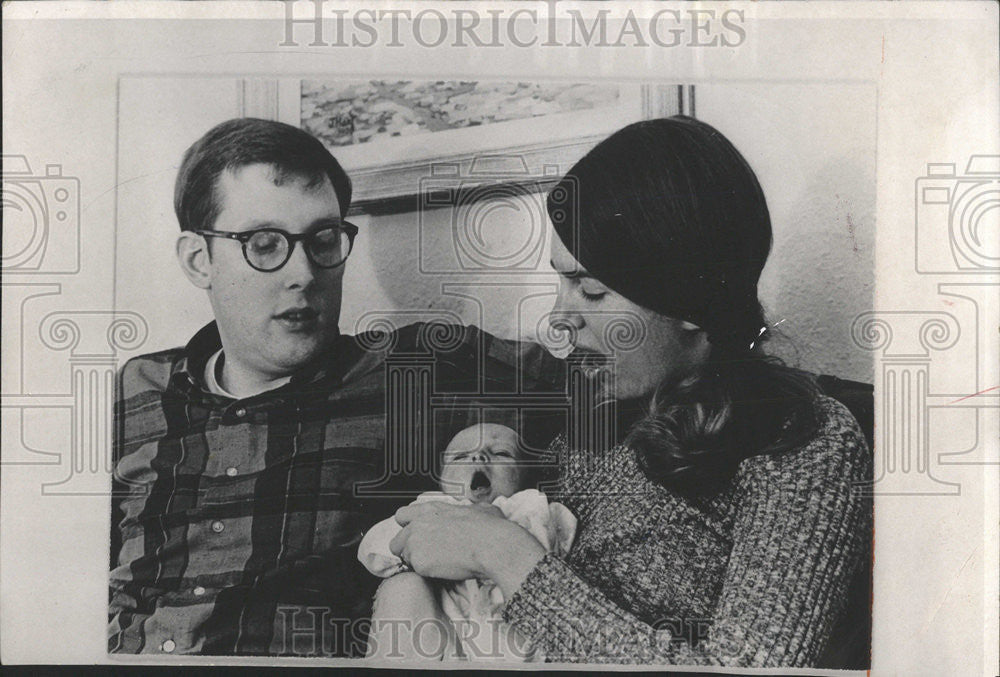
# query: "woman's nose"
[565,321]
[565,317]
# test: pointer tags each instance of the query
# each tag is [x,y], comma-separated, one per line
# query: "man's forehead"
[255,195]
[274,174]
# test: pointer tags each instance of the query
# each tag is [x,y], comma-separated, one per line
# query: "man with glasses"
[235,517]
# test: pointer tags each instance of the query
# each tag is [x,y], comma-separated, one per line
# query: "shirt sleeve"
[133,601]
[374,551]
[800,530]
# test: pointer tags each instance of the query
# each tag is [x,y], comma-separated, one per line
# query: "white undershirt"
[211,379]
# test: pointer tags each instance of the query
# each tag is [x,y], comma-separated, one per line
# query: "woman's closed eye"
[592,292]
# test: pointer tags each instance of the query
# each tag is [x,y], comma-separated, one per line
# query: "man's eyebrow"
[257,224]
[325,222]
[575,274]
[318,224]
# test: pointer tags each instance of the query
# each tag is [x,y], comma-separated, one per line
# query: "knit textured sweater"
[755,575]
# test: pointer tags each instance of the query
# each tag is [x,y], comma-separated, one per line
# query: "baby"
[445,620]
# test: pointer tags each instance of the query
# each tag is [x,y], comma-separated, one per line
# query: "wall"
[813,147]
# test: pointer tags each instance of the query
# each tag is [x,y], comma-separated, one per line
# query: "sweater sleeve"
[801,525]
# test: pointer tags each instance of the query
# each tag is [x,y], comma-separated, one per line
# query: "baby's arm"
[407,620]
[408,623]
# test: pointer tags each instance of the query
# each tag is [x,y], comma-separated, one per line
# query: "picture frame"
[529,153]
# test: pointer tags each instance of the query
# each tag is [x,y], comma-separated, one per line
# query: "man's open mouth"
[480,486]
[298,315]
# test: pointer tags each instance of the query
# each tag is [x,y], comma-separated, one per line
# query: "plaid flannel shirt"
[236,522]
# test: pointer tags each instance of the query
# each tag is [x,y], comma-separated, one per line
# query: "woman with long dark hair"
[727,524]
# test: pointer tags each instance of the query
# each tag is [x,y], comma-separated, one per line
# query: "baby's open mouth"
[480,486]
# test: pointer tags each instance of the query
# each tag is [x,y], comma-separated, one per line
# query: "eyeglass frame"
[243,238]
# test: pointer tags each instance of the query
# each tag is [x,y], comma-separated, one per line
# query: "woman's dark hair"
[670,215]
[245,141]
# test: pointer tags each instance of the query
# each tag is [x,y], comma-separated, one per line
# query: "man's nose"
[478,456]
[299,271]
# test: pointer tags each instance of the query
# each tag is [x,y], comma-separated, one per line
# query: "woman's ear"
[697,341]
[195,259]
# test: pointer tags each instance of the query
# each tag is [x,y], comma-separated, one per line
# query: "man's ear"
[195,259]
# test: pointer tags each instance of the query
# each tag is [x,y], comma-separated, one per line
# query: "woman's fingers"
[404,515]
[408,513]
[398,544]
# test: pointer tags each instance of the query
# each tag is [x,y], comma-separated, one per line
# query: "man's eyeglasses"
[268,249]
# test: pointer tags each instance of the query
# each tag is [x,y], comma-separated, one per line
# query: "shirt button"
[217,526]
[232,472]
[241,412]
[168,645]
[198,591]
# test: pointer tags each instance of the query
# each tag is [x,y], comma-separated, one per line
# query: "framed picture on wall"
[395,136]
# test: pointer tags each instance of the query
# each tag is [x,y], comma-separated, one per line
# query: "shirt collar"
[206,342]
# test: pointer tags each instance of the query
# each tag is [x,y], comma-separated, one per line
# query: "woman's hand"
[457,542]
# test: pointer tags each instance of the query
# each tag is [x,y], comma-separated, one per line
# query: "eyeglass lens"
[269,249]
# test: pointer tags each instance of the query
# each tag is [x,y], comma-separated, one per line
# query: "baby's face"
[481,463]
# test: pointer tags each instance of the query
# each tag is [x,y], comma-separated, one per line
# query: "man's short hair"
[246,141]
